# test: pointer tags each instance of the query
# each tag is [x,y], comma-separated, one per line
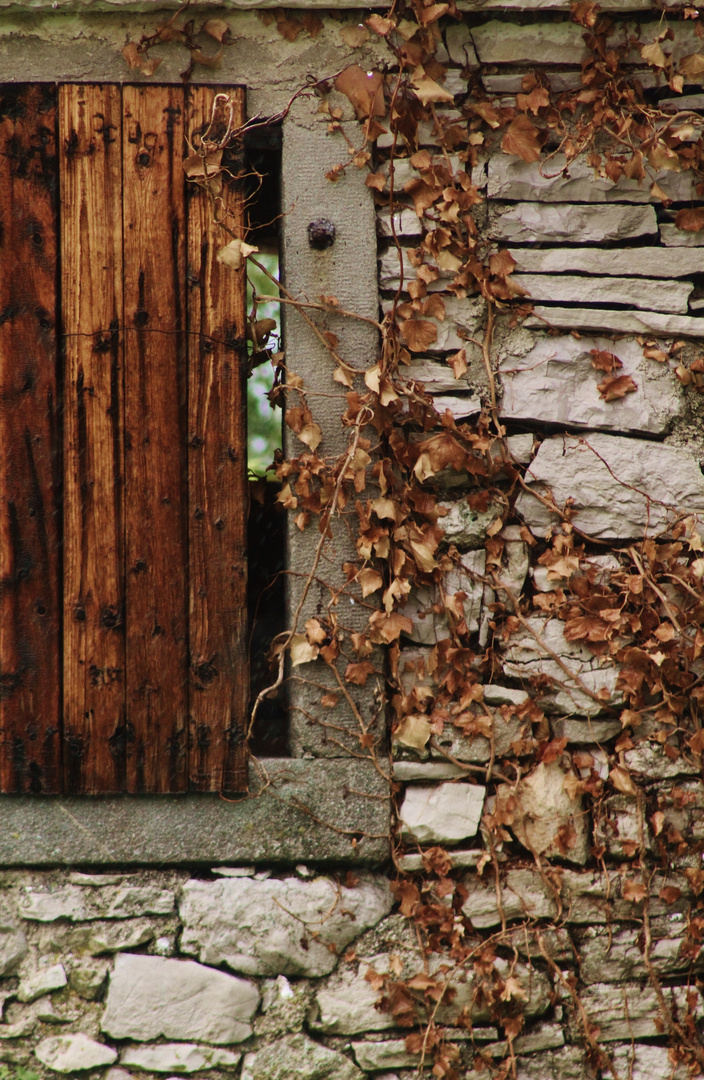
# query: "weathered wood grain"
[30,750]
[156,500]
[95,731]
[217,477]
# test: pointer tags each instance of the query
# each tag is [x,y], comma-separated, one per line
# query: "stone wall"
[264,973]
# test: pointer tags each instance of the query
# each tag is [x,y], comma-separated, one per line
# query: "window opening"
[266,526]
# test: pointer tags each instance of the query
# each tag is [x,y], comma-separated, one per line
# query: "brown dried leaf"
[691,219]
[355,36]
[522,139]
[359,673]
[364,91]
[217,29]
[419,334]
[622,781]
[616,386]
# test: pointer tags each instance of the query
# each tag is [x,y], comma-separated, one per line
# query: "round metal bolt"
[321,234]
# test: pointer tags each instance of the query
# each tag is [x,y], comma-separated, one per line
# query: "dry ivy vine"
[647,616]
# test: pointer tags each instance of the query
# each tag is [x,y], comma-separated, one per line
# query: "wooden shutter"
[123,626]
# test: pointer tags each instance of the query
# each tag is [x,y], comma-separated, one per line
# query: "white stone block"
[74,1053]
[556,383]
[603,321]
[150,996]
[444,814]
[654,262]
[572,223]
[279,926]
[620,488]
[552,180]
[648,293]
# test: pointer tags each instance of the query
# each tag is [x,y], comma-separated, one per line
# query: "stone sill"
[346,801]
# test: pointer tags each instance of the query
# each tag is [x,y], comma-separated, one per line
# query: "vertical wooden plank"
[156,500]
[217,478]
[95,732]
[30,750]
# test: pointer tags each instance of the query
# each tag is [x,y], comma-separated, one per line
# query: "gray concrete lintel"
[325,812]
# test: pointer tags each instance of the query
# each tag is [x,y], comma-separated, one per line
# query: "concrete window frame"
[328,802]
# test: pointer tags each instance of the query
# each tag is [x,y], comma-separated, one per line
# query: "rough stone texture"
[647,293]
[429,626]
[572,223]
[347,1005]
[204,829]
[89,981]
[646,1062]
[13,948]
[274,927]
[529,652]
[556,382]
[586,731]
[631,1011]
[103,938]
[149,996]
[298,1058]
[500,42]
[673,237]
[80,904]
[466,528]
[512,178]
[42,982]
[567,1064]
[74,1053]
[602,321]
[183,1058]
[444,814]
[391,1054]
[620,489]
[545,819]
[461,317]
[615,955]
[653,763]
[589,897]
[653,262]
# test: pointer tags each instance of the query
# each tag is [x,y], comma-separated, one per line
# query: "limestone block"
[390,1054]
[555,382]
[182,1058]
[567,1064]
[588,898]
[460,46]
[430,771]
[444,814]
[615,954]
[672,237]
[643,1061]
[13,948]
[467,528]
[405,223]
[297,1056]
[347,1005]
[651,761]
[546,820]
[436,375]
[528,652]
[405,173]
[150,996]
[412,862]
[631,1011]
[465,315]
[42,982]
[274,927]
[653,262]
[544,1037]
[429,626]
[647,293]
[88,980]
[79,904]
[390,276]
[620,489]
[460,407]
[74,1053]
[586,731]
[603,321]
[102,938]
[502,42]
[574,223]
[512,178]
